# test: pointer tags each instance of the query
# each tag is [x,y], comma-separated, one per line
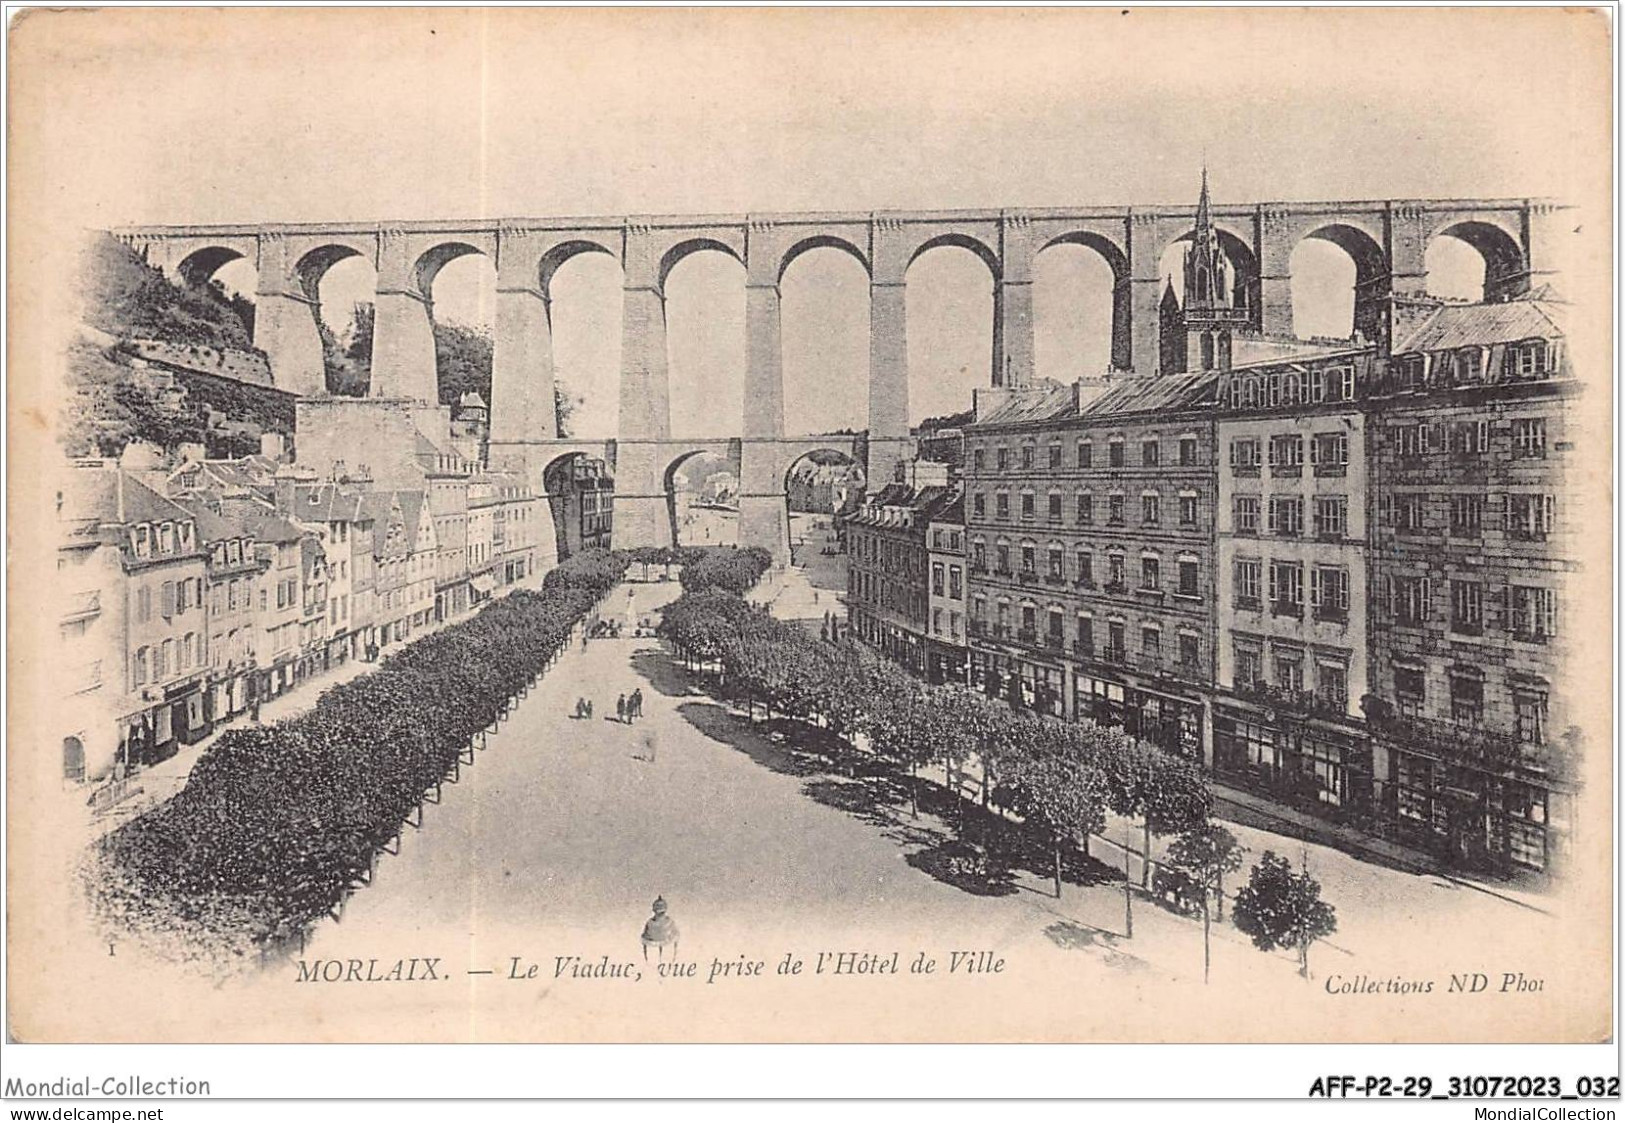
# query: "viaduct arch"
[1388,241]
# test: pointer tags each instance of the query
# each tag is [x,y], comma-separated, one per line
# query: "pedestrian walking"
[589,709]
[637,703]
[620,708]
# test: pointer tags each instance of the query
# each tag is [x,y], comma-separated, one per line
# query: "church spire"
[1204,211]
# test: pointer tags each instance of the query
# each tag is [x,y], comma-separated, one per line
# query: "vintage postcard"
[832,525]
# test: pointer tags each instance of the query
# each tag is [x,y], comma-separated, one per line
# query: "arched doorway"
[702,498]
[820,486]
[73,759]
[580,494]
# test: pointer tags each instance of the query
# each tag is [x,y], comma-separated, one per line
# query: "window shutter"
[166,600]
[1315,588]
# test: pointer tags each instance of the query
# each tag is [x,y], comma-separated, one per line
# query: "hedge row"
[277,823]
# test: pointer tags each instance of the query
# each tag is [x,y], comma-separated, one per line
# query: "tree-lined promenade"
[1060,777]
[278,824]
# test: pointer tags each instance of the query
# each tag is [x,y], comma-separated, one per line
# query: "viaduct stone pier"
[1387,241]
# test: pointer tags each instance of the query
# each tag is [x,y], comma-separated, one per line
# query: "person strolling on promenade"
[620,708]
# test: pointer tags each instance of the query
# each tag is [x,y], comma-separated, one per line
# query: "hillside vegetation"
[111,402]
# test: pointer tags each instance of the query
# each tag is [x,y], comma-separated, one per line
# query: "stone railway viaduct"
[1387,241]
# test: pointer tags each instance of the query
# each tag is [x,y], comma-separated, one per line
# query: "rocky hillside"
[117,395]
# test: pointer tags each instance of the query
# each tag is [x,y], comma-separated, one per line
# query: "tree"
[1205,854]
[462,362]
[1167,793]
[565,403]
[1281,909]
[1066,797]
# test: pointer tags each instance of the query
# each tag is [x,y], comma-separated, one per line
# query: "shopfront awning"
[484,583]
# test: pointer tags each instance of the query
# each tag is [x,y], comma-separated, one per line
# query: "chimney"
[273,446]
[286,480]
[986,399]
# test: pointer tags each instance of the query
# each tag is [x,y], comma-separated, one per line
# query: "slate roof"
[323,503]
[211,527]
[952,511]
[273,528]
[1479,325]
[1033,403]
[411,514]
[1154,394]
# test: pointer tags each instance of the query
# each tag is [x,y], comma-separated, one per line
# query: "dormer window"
[166,538]
[1532,358]
[1409,372]
[1470,365]
[187,535]
[142,536]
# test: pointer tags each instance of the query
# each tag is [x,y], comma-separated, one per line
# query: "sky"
[239,115]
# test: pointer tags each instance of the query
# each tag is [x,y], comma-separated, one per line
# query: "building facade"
[1475,542]
[165,569]
[888,600]
[1090,530]
[233,570]
[947,645]
[1293,570]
